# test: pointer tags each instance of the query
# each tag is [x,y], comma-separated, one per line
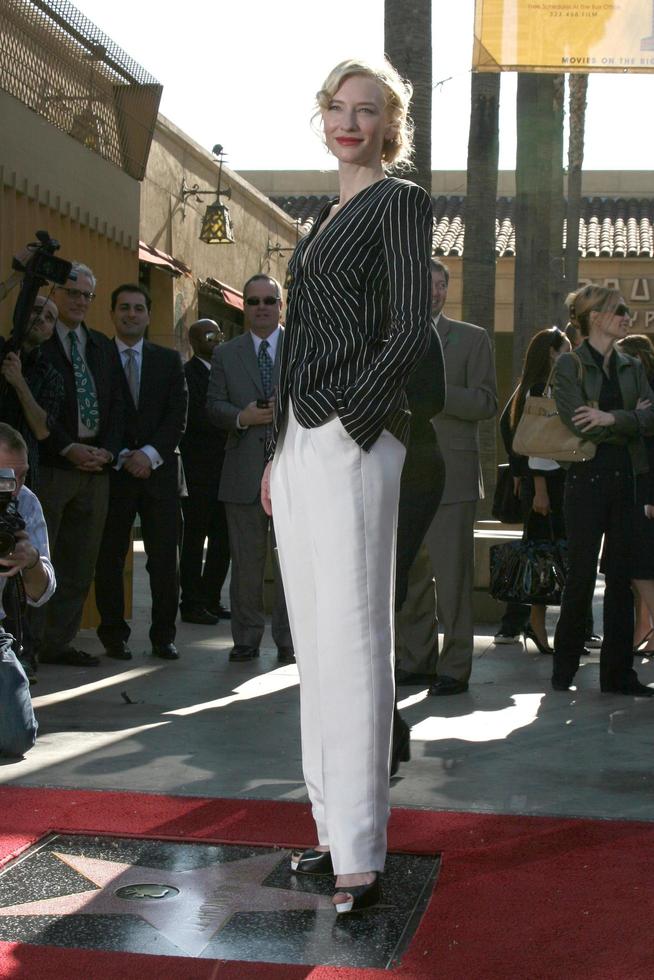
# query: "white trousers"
[335,512]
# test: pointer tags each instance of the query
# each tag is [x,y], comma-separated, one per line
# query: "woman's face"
[613,323]
[356,122]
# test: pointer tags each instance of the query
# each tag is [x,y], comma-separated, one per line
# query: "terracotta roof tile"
[608,227]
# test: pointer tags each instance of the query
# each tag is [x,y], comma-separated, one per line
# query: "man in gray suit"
[470,396]
[244,373]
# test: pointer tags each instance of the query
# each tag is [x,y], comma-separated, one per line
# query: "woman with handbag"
[599,493]
[541,480]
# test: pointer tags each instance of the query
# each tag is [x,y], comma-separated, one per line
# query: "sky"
[244,73]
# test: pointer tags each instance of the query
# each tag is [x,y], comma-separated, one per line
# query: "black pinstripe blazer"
[359,313]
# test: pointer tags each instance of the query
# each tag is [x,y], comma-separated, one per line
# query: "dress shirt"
[149,451]
[83,431]
[30,510]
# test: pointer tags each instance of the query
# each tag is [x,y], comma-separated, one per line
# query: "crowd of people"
[356,426]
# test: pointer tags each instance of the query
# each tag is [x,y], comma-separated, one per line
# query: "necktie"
[131,373]
[265,367]
[87,398]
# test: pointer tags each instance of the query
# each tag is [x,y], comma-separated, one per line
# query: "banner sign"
[564,35]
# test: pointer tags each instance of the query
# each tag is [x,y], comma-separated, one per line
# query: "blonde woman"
[599,493]
[358,322]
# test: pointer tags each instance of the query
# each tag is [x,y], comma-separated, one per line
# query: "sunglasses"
[267,300]
[211,335]
[622,310]
[77,293]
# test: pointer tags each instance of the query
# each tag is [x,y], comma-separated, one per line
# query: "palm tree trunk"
[577,114]
[537,210]
[407,43]
[478,302]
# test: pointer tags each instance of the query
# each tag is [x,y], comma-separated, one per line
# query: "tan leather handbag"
[542,432]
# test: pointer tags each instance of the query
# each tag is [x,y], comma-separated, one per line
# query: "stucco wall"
[174,228]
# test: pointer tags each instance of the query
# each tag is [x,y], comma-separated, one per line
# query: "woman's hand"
[649,511]
[587,418]
[541,503]
[643,403]
[266,502]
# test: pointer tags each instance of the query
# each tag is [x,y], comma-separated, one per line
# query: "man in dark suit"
[146,479]
[203,452]
[244,374]
[84,440]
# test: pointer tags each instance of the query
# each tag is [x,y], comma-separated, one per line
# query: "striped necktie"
[87,397]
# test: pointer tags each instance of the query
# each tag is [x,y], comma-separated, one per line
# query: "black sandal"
[312,862]
[360,897]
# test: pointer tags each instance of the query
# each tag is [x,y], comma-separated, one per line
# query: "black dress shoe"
[407,678]
[219,611]
[632,688]
[242,653]
[285,655]
[199,616]
[69,656]
[447,685]
[118,651]
[167,651]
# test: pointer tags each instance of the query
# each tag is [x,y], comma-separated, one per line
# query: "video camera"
[10,519]
[43,266]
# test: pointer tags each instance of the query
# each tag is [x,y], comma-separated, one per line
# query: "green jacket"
[573,388]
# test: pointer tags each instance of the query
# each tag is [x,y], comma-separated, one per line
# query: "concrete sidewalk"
[203,726]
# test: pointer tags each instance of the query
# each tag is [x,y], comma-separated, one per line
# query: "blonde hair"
[587,300]
[397,151]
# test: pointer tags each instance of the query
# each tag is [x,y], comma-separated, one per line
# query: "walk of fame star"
[206,897]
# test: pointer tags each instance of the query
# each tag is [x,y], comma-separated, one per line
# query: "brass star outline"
[208,897]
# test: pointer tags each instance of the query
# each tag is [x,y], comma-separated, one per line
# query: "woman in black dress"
[357,324]
[641,346]
[541,480]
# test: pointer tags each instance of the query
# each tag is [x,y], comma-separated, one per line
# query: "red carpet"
[521,898]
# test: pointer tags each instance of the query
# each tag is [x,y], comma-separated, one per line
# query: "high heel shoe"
[360,897]
[644,653]
[401,747]
[312,862]
[529,634]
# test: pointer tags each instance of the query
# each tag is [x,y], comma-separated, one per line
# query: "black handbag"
[529,572]
[506,506]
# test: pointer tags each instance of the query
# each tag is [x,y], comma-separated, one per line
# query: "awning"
[227,293]
[151,255]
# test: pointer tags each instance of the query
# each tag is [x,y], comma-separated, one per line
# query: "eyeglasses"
[267,300]
[622,310]
[211,335]
[77,293]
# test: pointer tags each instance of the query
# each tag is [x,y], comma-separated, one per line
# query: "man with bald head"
[203,452]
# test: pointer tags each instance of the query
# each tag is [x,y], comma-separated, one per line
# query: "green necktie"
[87,398]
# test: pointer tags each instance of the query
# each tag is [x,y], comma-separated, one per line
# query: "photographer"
[29,556]
[33,391]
